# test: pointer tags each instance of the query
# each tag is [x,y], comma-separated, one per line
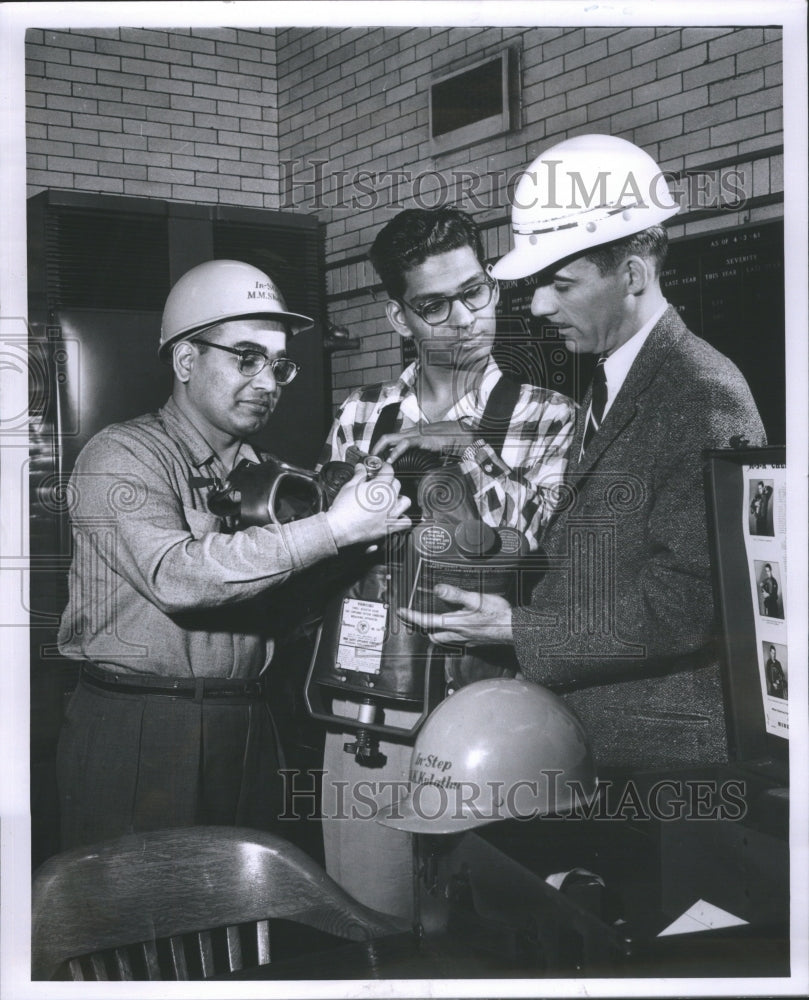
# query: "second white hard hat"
[579,194]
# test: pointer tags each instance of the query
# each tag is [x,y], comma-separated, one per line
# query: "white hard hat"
[496,749]
[579,194]
[220,290]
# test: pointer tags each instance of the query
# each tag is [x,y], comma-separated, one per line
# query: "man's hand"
[367,509]
[482,619]
[445,437]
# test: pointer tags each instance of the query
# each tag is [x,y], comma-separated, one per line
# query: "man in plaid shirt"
[440,296]
[432,266]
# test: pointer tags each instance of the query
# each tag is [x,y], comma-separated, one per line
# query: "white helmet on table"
[496,749]
[220,290]
[579,194]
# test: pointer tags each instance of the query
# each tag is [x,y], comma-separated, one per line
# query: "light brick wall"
[356,100]
[183,115]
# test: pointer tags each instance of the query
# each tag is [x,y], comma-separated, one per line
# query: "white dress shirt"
[617,365]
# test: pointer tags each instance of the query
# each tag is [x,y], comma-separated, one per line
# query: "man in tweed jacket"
[622,622]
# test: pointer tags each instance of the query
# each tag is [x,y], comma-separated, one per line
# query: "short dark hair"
[416,234]
[651,243]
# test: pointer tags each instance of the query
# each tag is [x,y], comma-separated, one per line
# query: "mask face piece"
[273,492]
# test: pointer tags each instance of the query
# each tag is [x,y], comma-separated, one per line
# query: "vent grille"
[106,260]
[290,256]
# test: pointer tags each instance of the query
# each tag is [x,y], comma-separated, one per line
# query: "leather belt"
[196,688]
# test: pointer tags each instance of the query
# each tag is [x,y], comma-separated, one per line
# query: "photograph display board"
[747,508]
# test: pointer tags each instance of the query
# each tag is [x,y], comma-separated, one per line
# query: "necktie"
[599,401]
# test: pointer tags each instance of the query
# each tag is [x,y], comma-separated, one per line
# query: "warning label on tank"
[434,540]
[362,634]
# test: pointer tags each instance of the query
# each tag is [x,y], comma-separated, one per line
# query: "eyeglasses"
[251,363]
[437,311]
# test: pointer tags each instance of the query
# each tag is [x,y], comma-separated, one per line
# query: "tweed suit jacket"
[623,620]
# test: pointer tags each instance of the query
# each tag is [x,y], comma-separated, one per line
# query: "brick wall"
[183,115]
[288,118]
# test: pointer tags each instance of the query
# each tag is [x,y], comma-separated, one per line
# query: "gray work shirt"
[156,586]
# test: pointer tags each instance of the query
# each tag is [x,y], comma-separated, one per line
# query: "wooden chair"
[183,904]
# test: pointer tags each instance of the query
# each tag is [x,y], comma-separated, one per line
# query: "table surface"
[743,952]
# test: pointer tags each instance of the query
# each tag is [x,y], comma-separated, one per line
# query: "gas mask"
[273,492]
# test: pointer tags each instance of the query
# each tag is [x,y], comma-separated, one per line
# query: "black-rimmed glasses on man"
[251,362]
[438,310]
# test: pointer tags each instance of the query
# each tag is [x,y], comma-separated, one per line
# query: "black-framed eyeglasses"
[438,310]
[251,363]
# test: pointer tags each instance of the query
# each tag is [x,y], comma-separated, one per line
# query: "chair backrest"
[182,904]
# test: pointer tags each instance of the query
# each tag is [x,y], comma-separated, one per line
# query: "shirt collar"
[617,365]
[470,404]
[198,450]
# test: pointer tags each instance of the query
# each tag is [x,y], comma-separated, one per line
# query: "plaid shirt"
[515,488]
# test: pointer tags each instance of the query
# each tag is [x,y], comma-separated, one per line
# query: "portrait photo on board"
[775,669]
[770,589]
[761,522]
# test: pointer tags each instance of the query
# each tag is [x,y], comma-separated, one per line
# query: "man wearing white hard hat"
[168,610]
[622,622]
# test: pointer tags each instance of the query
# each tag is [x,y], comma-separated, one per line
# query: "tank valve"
[366,747]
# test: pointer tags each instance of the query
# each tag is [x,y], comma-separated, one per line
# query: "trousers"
[129,762]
